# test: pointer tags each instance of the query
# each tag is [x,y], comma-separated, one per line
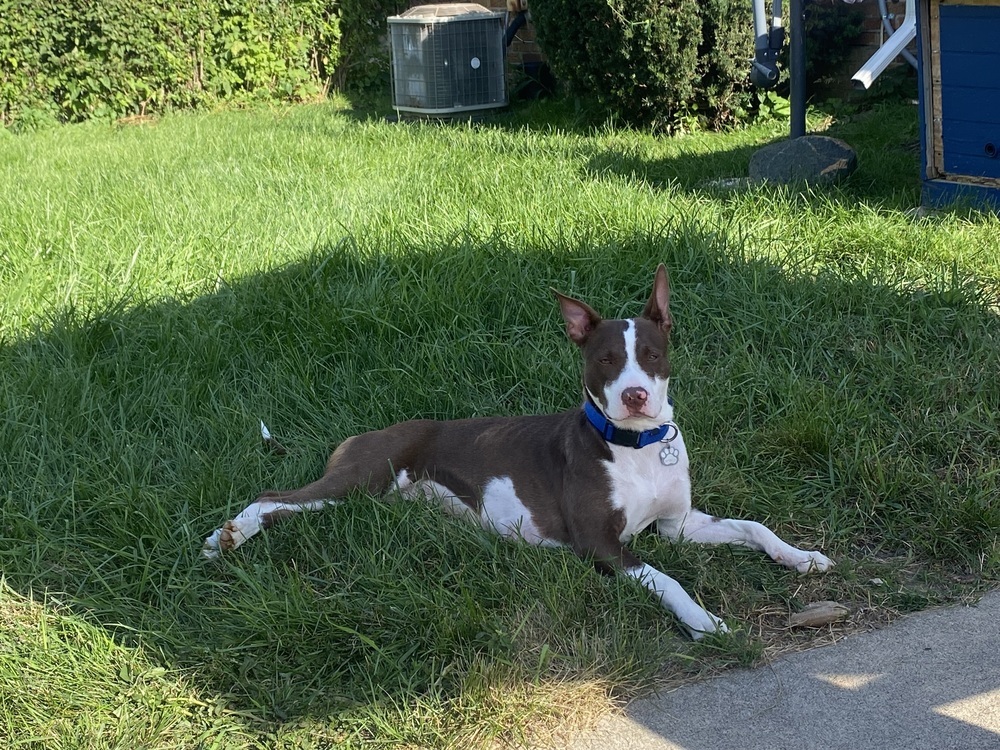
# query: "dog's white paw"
[210,547]
[226,539]
[814,562]
[704,624]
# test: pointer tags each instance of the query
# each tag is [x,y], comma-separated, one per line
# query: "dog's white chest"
[649,483]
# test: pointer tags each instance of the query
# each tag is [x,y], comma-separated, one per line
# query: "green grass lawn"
[165,287]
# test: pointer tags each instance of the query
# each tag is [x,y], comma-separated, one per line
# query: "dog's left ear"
[658,307]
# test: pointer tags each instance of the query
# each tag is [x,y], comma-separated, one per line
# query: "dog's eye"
[606,361]
[652,356]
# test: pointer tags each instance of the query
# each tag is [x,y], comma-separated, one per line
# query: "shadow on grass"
[687,171]
[884,139]
[812,403]
[564,114]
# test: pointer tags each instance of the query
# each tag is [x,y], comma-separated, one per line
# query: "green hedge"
[72,59]
[652,63]
[364,58]
[679,64]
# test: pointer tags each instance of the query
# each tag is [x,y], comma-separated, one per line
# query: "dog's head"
[625,365]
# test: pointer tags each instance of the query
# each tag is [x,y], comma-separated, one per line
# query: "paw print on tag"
[669,455]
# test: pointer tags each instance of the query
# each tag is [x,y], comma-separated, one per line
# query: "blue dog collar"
[627,438]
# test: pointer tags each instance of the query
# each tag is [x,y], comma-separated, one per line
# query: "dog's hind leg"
[260,514]
[360,462]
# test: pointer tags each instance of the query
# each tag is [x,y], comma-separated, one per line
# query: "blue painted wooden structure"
[959,51]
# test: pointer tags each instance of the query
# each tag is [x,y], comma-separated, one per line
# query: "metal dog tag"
[668,454]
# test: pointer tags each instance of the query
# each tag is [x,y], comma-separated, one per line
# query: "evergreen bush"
[664,64]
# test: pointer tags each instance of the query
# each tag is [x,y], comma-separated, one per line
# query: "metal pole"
[797,67]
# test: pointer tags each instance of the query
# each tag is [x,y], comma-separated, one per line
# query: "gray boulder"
[812,159]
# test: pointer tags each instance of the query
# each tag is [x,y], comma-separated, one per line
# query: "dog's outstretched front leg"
[597,542]
[705,529]
[695,619]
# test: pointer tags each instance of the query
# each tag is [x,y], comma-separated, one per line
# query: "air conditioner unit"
[448,59]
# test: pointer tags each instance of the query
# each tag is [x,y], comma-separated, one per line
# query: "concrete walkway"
[930,681]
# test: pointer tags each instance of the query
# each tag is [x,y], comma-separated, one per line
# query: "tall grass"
[166,287]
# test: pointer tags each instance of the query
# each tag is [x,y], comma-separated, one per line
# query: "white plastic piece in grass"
[272,445]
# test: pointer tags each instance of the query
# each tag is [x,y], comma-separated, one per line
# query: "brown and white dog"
[589,478]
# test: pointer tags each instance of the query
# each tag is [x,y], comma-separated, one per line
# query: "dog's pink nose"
[634,398]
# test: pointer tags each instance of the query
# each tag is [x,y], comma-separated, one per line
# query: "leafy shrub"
[653,63]
[74,59]
[364,62]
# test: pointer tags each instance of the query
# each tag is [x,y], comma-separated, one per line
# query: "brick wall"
[524,48]
[871,39]
[873,34]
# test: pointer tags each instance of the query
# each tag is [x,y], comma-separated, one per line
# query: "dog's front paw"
[704,625]
[814,562]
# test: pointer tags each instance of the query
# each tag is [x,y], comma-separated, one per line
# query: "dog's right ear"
[579,316]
